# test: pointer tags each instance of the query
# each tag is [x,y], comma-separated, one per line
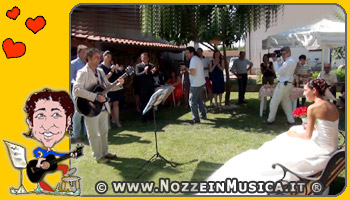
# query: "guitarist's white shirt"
[86,81]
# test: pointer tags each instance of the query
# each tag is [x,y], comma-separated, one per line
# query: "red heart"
[13,14]
[13,50]
[36,25]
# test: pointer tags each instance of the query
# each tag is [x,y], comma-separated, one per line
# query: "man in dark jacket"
[145,82]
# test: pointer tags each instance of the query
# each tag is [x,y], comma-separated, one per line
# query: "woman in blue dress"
[113,72]
[216,68]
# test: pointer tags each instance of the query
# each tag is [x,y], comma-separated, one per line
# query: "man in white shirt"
[330,77]
[208,86]
[285,79]
[197,81]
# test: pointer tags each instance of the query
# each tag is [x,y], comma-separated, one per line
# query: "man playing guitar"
[97,126]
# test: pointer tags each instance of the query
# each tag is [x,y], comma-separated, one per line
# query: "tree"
[180,24]
[339,52]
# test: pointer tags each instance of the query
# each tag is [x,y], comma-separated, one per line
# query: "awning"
[325,33]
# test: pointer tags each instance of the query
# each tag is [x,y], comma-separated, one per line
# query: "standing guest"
[239,69]
[74,67]
[282,91]
[303,74]
[175,81]
[185,76]
[120,71]
[144,73]
[208,85]
[197,81]
[330,77]
[112,74]
[267,71]
[97,127]
[136,88]
[159,79]
[216,68]
[77,64]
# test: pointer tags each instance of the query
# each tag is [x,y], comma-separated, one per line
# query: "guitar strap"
[101,82]
[97,79]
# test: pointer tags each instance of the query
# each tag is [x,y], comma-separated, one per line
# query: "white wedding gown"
[305,157]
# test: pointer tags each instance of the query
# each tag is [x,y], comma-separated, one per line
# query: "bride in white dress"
[304,151]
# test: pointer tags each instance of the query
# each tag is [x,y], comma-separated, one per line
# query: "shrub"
[340,75]
[259,78]
[315,74]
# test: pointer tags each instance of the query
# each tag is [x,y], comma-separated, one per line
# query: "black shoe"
[110,156]
[268,123]
[205,118]
[194,122]
[244,102]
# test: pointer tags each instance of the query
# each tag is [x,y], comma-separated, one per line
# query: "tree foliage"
[180,24]
[339,53]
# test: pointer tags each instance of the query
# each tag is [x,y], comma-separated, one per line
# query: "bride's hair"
[320,85]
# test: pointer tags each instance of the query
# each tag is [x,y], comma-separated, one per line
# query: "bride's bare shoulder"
[324,110]
[328,105]
[312,107]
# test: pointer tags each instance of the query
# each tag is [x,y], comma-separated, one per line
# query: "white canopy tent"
[321,35]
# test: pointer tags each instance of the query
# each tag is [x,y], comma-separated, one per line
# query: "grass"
[197,149]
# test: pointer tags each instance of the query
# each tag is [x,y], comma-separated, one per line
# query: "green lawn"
[197,149]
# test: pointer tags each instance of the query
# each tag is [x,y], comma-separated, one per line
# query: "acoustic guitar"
[93,108]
